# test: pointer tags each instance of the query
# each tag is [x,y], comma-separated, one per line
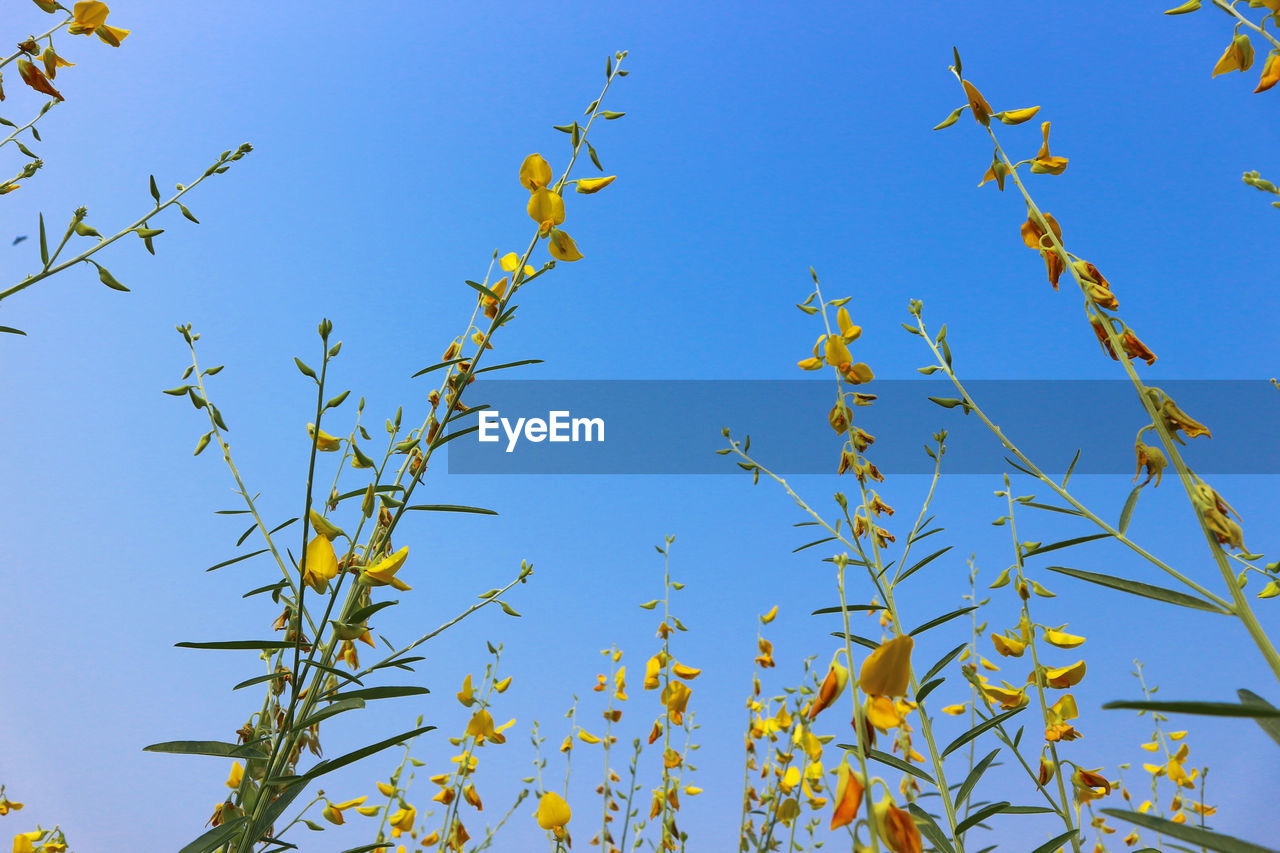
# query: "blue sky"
[757,142]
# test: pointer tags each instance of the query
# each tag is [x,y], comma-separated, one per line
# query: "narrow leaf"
[1145,590]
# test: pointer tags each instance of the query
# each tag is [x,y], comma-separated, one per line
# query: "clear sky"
[759,140]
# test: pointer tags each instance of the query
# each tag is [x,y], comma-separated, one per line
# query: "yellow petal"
[1062,640]
[535,172]
[562,247]
[1018,116]
[887,670]
[90,15]
[237,773]
[836,353]
[594,185]
[321,563]
[553,811]
[848,331]
[545,206]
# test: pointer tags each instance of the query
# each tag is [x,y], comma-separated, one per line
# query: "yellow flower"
[386,789]
[1270,72]
[546,208]
[7,805]
[467,696]
[955,710]
[836,353]
[896,828]
[511,260]
[535,173]
[676,697]
[1043,162]
[237,773]
[651,669]
[23,841]
[790,780]
[91,17]
[333,811]
[849,790]
[1017,116]
[1086,782]
[52,62]
[848,331]
[1237,57]
[481,727]
[384,571]
[323,440]
[688,673]
[594,185]
[882,713]
[1063,676]
[553,813]
[1008,646]
[887,670]
[402,820]
[322,564]
[977,103]
[561,245]
[769,617]
[1062,640]
[832,686]
[1007,698]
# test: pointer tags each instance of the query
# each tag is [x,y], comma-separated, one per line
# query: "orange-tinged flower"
[1034,236]
[1237,57]
[688,673]
[1175,419]
[887,670]
[848,330]
[896,828]
[553,813]
[1007,698]
[1086,783]
[833,685]
[34,77]
[1270,72]
[977,103]
[91,17]
[835,353]
[535,173]
[7,805]
[1044,162]
[676,697]
[52,62]
[848,799]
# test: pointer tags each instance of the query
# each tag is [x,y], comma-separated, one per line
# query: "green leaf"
[1065,543]
[862,641]
[508,609]
[386,692]
[206,747]
[894,762]
[1145,590]
[238,559]
[1067,477]
[155,191]
[10,330]
[426,370]
[1130,504]
[946,659]
[521,363]
[257,679]
[187,213]
[1207,709]
[978,730]
[1272,728]
[257,645]
[457,434]
[216,837]
[306,371]
[946,617]
[922,563]
[1063,509]
[271,587]
[478,510]
[364,752]
[105,276]
[484,290]
[980,815]
[610,116]
[202,443]
[927,688]
[44,243]
[1057,841]
[929,829]
[1202,837]
[338,707]
[966,787]
[811,544]
[363,614]
[825,610]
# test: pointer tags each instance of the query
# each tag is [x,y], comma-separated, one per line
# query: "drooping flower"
[1044,162]
[1008,646]
[1063,676]
[333,811]
[1270,72]
[1086,783]
[402,820]
[321,564]
[1034,236]
[848,799]
[324,442]
[896,828]
[34,77]
[978,104]
[467,695]
[833,685]
[91,17]
[384,571]
[553,813]
[1237,57]
[237,773]
[887,670]
[594,185]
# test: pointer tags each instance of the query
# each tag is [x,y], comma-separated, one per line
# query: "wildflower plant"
[38,59]
[332,588]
